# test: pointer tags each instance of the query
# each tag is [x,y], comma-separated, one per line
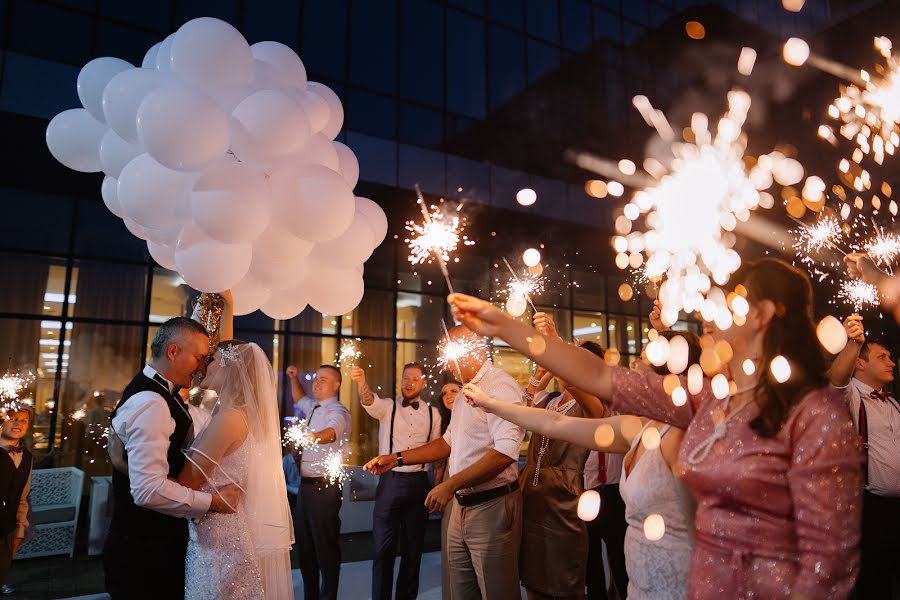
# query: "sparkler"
[299,436]
[825,232]
[859,294]
[691,198]
[520,289]
[452,351]
[349,353]
[12,384]
[883,247]
[333,465]
[438,235]
[78,415]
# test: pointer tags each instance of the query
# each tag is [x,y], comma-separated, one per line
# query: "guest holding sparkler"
[294,411]
[317,521]
[403,423]
[861,371]
[482,542]
[774,464]
[15,467]
[861,266]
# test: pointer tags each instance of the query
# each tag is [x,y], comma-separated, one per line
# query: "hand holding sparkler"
[381,464]
[477,315]
[656,318]
[478,398]
[856,333]
[299,436]
[544,323]
[861,266]
[520,290]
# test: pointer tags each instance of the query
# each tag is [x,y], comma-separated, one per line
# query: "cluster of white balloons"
[221,156]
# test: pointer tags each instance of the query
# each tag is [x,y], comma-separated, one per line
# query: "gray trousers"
[482,549]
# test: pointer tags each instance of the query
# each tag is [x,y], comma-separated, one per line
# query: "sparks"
[439,235]
[452,352]
[883,248]
[692,198]
[823,233]
[349,353]
[333,465]
[859,294]
[13,383]
[299,436]
[78,415]
[528,285]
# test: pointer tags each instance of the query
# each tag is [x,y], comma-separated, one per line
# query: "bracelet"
[534,382]
[399,459]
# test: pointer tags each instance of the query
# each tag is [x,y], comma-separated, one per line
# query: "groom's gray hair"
[172,329]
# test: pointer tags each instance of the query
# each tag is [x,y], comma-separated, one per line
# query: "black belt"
[312,480]
[486,495]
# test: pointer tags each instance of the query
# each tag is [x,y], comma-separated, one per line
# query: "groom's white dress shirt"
[144,426]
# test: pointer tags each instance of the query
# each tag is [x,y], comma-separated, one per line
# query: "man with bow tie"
[400,512]
[861,372]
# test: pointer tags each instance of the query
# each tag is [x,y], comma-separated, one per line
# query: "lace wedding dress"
[221,557]
[657,570]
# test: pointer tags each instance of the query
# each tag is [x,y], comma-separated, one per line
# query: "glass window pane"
[562,318]
[32,285]
[543,20]
[419,317]
[422,52]
[615,302]
[589,326]
[606,26]
[324,38]
[127,43]
[100,233]
[272,20]
[312,321]
[377,360]
[108,291]
[374,45]
[508,12]
[623,334]
[506,56]
[542,59]
[98,365]
[49,217]
[372,317]
[517,366]
[27,346]
[576,23]
[65,35]
[170,296]
[421,126]
[379,269]
[372,114]
[465,65]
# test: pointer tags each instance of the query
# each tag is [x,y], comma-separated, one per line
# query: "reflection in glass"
[590,327]
[419,316]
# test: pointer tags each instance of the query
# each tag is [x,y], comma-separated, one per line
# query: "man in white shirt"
[403,423]
[147,541]
[482,542]
[877,417]
[317,521]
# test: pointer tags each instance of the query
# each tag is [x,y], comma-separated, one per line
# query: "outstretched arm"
[578,431]
[841,370]
[433,451]
[226,324]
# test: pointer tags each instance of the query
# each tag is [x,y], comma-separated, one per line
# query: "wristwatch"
[399,459]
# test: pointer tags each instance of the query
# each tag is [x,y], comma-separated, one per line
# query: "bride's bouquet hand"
[478,398]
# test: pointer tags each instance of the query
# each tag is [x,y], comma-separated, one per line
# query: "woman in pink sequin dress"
[775,468]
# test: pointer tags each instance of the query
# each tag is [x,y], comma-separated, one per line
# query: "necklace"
[720,426]
[545,441]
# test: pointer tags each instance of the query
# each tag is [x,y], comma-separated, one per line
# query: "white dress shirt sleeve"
[507,437]
[435,424]
[380,407]
[851,395]
[447,433]
[144,426]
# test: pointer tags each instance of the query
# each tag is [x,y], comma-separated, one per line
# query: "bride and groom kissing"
[198,514]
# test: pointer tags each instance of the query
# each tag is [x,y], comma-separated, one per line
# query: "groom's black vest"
[12,484]
[128,519]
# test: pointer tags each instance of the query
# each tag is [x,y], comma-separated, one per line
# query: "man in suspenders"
[861,371]
[400,514]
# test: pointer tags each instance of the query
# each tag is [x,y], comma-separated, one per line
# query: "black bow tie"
[883,396]
[17,449]
[413,403]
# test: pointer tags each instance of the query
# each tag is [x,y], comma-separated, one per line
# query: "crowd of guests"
[783,488]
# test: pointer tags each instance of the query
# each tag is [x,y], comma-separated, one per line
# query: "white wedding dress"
[657,570]
[221,557]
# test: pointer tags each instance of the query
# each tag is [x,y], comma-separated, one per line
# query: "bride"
[245,554]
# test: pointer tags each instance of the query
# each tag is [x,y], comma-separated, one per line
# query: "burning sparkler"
[437,237]
[520,290]
[333,465]
[79,415]
[824,233]
[691,199]
[859,294]
[12,384]
[349,353]
[453,351]
[883,247]
[299,436]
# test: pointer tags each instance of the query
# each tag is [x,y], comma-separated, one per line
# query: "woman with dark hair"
[774,466]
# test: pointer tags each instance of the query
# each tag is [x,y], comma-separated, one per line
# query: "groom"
[147,541]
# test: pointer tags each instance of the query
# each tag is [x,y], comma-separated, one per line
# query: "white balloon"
[377,218]
[249,295]
[93,78]
[164,54]
[286,67]
[285,304]
[316,204]
[348,165]
[335,108]
[110,194]
[268,125]
[230,202]
[149,61]
[73,137]
[153,195]
[123,96]
[349,249]
[319,150]
[134,228]
[211,53]
[166,236]
[208,265]
[182,129]
[315,106]
[280,259]
[163,255]
[336,291]
[115,153]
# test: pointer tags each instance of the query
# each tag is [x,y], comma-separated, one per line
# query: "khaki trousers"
[482,549]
